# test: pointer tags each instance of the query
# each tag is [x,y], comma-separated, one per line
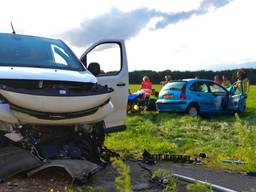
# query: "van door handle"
[121,84]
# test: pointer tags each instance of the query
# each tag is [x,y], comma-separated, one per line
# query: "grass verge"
[221,138]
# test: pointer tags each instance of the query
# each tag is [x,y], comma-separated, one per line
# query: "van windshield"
[28,51]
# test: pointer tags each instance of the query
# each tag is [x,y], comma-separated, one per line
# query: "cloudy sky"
[159,34]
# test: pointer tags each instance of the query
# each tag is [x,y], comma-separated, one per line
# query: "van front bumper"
[14,116]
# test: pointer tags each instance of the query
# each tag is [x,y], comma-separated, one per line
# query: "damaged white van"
[47,94]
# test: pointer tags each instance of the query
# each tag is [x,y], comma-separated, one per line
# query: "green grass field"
[221,138]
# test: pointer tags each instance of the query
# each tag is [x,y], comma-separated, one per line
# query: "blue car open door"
[221,97]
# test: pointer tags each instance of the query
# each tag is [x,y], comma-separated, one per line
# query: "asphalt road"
[57,179]
[235,181]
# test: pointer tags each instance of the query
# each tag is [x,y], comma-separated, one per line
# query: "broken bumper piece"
[14,160]
[81,170]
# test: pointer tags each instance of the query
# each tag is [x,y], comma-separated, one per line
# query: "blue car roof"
[195,80]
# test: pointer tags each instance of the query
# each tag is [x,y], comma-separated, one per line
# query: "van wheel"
[193,110]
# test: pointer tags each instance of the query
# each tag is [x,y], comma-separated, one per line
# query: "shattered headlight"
[2,99]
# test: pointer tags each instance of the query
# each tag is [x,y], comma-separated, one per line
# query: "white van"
[44,87]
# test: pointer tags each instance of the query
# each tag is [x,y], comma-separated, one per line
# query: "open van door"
[110,55]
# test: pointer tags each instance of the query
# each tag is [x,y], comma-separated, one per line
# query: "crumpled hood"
[31,73]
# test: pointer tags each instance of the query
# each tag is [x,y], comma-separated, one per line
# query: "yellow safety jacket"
[243,86]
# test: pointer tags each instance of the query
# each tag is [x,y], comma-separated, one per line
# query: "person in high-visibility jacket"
[242,84]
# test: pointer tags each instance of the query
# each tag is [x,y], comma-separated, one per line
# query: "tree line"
[135,77]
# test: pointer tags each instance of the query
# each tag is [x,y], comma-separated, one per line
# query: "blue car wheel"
[193,110]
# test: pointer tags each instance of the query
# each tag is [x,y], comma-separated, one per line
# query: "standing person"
[242,84]
[146,86]
[225,82]
[217,79]
[168,79]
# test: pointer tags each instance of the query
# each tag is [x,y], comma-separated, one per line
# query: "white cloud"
[47,17]
[173,6]
[223,36]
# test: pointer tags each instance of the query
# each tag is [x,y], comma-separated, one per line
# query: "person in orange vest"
[146,86]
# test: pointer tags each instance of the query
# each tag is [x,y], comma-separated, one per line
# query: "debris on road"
[14,160]
[153,158]
[80,170]
[234,162]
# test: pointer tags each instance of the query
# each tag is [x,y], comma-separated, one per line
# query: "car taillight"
[183,93]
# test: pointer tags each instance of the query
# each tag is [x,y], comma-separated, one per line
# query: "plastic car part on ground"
[80,170]
[153,158]
[14,160]
[233,161]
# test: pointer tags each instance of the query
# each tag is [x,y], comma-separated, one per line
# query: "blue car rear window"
[178,85]
[26,51]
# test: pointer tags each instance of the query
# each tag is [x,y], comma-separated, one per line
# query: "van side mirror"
[94,68]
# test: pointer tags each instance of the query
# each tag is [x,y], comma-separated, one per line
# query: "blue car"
[200,96]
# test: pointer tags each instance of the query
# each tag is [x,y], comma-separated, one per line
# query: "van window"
[108,56]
